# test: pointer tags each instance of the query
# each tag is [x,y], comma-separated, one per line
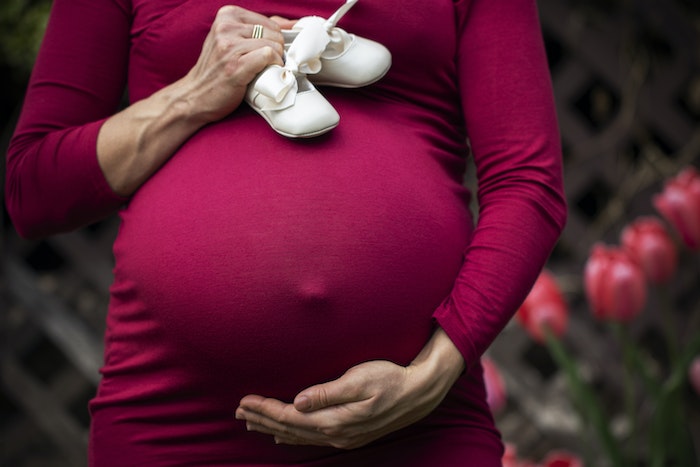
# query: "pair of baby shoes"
[316,52]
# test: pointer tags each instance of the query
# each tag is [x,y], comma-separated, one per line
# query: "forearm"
[136,142]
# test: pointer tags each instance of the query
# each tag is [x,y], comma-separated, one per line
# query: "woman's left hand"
[369,401]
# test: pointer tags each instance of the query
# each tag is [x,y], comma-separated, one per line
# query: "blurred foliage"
[22,24]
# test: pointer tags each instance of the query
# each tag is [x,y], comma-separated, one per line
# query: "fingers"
[230,47]
[233,30]
[288,426]
[230,59]
[253,62]
[274,414]
[273,417]
[348,388]
[283,23]
[265,33]
[284,419]
[243,21]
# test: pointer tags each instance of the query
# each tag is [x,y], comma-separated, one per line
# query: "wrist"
[437,366]
[180,102]
[205,102]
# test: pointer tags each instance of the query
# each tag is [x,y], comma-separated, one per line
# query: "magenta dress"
[255,264]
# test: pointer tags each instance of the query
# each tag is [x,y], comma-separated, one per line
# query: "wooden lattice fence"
[627,83]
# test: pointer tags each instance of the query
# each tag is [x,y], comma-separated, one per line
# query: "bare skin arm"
[135,142]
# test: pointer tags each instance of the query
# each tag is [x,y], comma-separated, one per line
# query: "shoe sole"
[295,135]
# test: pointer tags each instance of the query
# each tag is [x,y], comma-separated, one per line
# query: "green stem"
[586,400]
[669,324]
[629,384]
[657,442]
[670,439]
[640,363]
[668,431]
[681,442]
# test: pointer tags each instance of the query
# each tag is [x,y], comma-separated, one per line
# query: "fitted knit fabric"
[255,264]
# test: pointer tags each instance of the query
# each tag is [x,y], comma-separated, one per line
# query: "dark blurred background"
[627,82]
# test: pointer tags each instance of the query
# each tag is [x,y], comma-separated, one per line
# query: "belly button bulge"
[313,295]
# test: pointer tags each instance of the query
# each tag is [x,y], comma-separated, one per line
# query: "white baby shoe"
[300,112]
[316,51]
[286,99]
[348,60]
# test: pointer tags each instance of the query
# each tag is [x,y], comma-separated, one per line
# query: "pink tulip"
[544,307]
[510,458]
[495,387]
[562,459]
[650,244]
[679,203]
[614,283]
[694,374]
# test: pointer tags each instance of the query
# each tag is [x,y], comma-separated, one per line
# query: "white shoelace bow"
[317,38]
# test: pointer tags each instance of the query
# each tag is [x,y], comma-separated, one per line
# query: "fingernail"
[239,414]
[248,426]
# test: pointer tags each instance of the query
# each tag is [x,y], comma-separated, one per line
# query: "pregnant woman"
[295,301]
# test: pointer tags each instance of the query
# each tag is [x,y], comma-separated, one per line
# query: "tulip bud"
[650,244]
[614,284]
[544,306]
[679,203]
[510,456]
[495,387]
[694,374]
[562,459]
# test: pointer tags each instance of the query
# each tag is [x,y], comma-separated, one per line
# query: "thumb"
[347,388]
[283,23]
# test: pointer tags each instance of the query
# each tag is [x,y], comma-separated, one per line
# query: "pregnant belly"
[279,269]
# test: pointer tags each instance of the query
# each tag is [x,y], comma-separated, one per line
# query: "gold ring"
[257,31]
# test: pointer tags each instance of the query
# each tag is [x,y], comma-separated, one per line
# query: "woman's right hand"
[137,141]
[230,59]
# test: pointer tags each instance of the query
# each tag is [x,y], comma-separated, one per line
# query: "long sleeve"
[510,118]
[53,179]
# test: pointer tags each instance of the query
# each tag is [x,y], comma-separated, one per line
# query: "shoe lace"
[339,13]
[317,38]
